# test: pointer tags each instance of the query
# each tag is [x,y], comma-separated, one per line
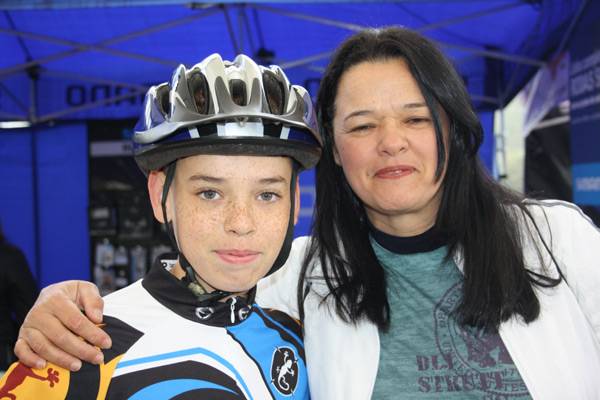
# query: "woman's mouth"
[394,172]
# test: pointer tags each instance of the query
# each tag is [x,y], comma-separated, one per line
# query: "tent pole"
[515,73]
[33,97]
[467,18]
[100,47]
[319,20]
[114,99]
[569,32]
[83,78]
[485,99]
[12,117]
[14,98]
[240,15]
[499,55]
[354,27]
[500,137]
[79,48]
[230,27]
[249,32]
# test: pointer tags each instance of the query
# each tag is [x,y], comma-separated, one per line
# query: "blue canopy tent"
[67,62]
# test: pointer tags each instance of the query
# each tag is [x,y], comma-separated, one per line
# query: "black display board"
[124,235]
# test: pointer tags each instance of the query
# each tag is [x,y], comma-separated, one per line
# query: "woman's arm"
[575,243]
[19,283]
[51,329]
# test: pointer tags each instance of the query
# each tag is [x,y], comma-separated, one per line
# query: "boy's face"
[230,215]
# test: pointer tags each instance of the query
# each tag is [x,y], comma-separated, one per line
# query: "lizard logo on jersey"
[17,376]
[284,370]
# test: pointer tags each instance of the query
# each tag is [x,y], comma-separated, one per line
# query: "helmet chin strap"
[190,281]
[289,236]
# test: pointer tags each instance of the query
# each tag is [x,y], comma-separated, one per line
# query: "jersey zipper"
[232,308]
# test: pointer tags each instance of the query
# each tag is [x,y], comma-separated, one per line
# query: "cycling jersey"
[165,346]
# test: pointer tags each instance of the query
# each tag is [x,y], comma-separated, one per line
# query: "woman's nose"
[392,139]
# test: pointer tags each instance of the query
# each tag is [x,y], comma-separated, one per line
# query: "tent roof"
[73,59]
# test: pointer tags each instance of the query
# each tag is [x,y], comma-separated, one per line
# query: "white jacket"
[557,355]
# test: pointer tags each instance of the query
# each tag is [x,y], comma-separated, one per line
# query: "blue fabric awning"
[94,59]
[64,62]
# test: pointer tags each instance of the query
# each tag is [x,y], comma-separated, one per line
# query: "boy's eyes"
[267,196]
[213,195]
[209,194]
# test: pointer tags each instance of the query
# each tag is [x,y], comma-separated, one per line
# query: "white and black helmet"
[223,107]
[227,108]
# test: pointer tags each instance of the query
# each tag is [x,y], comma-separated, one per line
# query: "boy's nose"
[240,219]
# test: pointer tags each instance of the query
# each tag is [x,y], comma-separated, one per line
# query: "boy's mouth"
[234,256]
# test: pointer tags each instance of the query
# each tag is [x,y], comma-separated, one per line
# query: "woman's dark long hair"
[473,213]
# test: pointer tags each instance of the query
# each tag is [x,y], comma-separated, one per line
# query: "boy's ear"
[297,202]
[156,182]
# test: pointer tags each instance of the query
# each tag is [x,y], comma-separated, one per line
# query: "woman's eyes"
[360,128]
[419,120]
[412,121]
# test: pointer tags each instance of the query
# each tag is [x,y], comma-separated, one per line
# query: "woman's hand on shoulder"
[54,327]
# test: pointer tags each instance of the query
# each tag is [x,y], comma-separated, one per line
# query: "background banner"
[585,114]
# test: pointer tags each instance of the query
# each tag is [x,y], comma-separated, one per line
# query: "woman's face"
[385,141]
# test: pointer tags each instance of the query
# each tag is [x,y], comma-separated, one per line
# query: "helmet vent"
[199,87]
[223,107]
[237,87]
[301,105]
[274,93]
[162,96]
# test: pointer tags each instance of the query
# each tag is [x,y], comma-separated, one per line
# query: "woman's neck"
[424,242]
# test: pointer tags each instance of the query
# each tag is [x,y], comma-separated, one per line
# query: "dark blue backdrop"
[65,62]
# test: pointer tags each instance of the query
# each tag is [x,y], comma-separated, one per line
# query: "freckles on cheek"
[276,222]
[195,219]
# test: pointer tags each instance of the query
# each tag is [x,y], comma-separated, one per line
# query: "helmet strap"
[289,236]
[189,281]
[169,174]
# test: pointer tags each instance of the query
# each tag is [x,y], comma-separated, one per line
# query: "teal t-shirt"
[425,353]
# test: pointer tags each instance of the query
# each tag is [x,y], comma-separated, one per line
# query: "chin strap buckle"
[205,298]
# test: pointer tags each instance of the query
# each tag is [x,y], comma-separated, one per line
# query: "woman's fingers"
[54,327]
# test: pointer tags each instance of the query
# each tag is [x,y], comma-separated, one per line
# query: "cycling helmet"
[223,107]
[231,108]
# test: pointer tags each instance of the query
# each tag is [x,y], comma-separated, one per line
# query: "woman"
[401,139]
[426,277]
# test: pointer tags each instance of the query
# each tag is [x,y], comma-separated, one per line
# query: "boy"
[221,146]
